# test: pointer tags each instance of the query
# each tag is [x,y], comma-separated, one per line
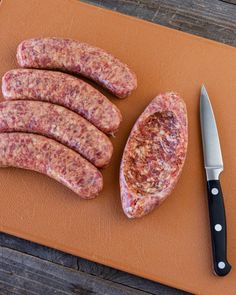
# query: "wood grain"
[126,279]
[79,265]
[39,251]
[24,274]
[230,1]
[35,269]
[211,19]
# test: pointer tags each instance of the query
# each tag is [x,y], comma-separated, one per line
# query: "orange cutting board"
[172,244]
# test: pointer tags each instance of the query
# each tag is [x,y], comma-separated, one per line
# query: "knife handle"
[218,228]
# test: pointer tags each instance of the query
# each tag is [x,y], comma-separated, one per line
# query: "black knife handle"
[218,228]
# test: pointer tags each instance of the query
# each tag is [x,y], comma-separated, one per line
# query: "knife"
[214,166]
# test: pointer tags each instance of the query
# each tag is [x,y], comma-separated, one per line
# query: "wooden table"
[28,268]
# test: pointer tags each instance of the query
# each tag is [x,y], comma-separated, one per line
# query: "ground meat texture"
[79,58]
[65,90]
[58,123]
[44,155]
[154,155]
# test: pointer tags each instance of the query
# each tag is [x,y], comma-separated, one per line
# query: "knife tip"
[203,90]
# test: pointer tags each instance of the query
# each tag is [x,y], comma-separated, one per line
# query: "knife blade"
[213,163]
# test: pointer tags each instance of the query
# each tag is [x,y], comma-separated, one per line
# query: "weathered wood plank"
[83,265]
[24,274]
[212,19]
[126,279]
[38,250]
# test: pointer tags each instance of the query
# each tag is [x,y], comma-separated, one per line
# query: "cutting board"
[172,244]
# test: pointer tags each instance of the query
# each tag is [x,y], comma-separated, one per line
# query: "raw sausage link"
[154,155]
[44,155]
[80,58]
[58,123]
[64,90]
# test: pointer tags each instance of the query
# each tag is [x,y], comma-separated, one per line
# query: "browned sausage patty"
[44,155]
[79,58]
[65,90]
[154,155]
[58,123]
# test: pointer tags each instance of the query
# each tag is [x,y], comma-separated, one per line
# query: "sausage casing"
[80,58]
[45,155]
[58,123]
[65,90]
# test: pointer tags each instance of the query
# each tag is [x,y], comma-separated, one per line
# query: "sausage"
[58,123]
[44,155]
[79,58]
[65,90]
[154,155]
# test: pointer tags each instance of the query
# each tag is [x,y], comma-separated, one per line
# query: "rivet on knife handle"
[218,228]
